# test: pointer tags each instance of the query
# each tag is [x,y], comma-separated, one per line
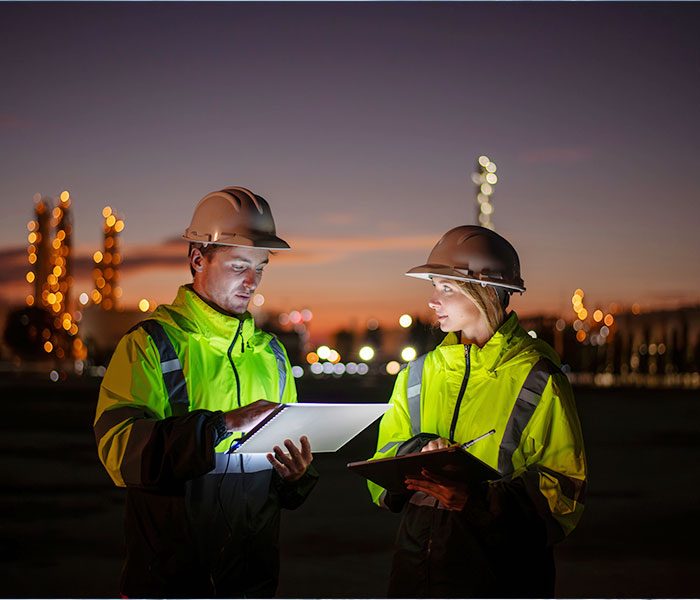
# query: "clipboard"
[452,463]
[328,426]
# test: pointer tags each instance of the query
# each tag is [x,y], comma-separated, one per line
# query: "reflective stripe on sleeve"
[111,418]
[525,405]
[240,463]
[414,385]
[389,446]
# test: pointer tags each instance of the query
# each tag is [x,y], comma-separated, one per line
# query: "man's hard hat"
[475,254]
[234,216]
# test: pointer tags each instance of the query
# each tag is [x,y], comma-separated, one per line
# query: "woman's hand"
[452,494]
[436,444]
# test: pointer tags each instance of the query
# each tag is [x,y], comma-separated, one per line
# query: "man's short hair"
[207,251]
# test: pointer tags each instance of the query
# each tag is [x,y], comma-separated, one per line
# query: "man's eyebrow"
[247,261]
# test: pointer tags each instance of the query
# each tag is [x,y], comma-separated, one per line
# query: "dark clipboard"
[452,463]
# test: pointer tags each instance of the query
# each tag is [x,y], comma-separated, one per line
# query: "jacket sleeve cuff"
[293,494]
[218,424]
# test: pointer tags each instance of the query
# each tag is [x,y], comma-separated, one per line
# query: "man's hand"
[293,465]
[452,494]
[247,417]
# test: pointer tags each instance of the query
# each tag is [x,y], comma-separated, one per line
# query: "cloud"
[556,155]
[172,254]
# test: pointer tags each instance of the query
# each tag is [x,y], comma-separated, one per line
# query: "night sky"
[361,124]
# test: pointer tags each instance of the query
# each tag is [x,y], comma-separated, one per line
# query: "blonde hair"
[486,300]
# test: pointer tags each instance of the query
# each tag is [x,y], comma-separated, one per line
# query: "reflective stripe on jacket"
[538,440]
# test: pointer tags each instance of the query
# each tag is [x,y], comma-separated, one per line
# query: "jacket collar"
[488,356]
[211,322]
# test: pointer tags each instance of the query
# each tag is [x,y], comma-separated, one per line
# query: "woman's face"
[455,311]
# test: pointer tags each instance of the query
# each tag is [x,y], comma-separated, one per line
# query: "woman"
[493,539]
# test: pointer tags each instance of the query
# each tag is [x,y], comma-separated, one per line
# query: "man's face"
[229,276]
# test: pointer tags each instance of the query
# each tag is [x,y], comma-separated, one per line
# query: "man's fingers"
[282,457]
[277,465]
[294,452]
[306,449]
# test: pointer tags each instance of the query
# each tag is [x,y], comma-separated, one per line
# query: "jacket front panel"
[548,463]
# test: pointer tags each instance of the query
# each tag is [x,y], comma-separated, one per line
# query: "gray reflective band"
[414,384]
[170,365]
[117,416]
[389,446]
[525,405]
[281,363]
[173,377]
[240,463]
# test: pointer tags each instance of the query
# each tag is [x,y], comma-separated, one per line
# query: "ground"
[61,524]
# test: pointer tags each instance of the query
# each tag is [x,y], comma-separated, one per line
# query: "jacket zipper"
[462,390]
[235,371]
[238,381]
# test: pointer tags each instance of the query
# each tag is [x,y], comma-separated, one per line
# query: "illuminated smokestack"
[107,292]
[485,180]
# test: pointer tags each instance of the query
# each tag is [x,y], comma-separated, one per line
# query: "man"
[180,388]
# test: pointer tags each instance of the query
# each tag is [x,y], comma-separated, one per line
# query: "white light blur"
[339,369]
[307,315]
[53,376]
[334,356]
[362,369]
[316,368]
[351,368]
[405,320]
[297,371]
[323,352]
[393,367]
[328,368]
[366,353]
[83,298]
[258,300]
[408,354]
[532,333]
[295,317]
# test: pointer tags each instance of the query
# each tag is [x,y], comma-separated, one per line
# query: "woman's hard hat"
[475,254]
[234,216]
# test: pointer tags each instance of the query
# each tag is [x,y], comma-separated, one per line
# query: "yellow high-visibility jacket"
[538,440]
[199,522]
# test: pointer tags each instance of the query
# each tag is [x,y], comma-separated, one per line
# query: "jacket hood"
[511,345]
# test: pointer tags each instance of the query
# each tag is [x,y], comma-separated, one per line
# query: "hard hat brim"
[266,242]
[429,271]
